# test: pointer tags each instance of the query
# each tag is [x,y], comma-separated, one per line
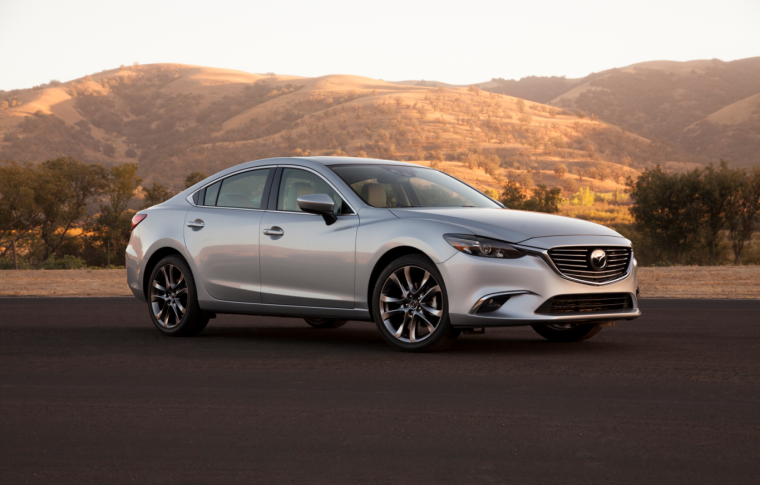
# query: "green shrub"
[8,264]
[66,262]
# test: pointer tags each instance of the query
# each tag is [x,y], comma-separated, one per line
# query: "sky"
[450,41]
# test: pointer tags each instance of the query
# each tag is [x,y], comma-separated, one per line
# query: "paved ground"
[91,393]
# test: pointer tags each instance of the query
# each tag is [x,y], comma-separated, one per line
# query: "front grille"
[574,262]
[602,302]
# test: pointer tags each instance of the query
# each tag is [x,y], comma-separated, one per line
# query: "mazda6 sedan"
[332,239]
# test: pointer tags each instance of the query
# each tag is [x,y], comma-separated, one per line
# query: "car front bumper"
[529,281]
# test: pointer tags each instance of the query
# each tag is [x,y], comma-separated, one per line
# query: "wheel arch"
[384,260]
[157,256]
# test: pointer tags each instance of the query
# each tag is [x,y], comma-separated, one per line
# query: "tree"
[474,90]
[584,197]
[666,209]
[526,181]
[525,119]
[570,186]
[513,196]
[520,105]
[490,164]
[193,178]
[742,210]
[113,223]
[560,170]
[714,195]
[63,187]
[155,195]
[544,200]
[602,172]
[109,150]
[16,206]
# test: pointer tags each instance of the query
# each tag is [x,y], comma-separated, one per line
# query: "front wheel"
[410,306]
[325,322]
[173,300]
[571,332]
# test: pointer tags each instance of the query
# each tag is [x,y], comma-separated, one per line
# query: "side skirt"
[220,306]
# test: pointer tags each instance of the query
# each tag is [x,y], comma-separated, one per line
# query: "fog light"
[492,304]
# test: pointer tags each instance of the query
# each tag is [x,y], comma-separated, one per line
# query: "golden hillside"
[175,118]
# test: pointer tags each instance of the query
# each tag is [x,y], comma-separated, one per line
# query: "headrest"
[374,195]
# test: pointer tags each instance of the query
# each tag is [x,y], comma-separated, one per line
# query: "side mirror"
[321,204]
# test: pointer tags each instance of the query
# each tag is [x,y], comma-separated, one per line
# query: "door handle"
[196,223]
[274,231]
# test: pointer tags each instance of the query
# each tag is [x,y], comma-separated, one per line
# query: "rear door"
[222,235]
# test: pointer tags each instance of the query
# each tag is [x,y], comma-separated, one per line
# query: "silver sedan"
[331,239]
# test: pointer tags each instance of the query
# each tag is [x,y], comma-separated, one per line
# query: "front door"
[305,262]
[222,236]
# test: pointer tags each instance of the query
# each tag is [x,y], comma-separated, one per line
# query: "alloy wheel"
[168,296]
[411,304]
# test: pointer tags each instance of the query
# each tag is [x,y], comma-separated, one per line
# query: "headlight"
[482,246]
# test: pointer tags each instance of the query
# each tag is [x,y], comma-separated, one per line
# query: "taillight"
[138,218]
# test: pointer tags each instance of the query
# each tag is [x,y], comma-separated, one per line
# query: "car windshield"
[398,186]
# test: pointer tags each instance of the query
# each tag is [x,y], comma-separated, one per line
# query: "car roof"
[328,161]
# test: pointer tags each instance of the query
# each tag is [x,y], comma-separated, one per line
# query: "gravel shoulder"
[732,282]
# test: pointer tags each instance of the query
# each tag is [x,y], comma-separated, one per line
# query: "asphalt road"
[90,392]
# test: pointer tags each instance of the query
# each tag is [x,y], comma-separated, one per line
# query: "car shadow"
[365,336]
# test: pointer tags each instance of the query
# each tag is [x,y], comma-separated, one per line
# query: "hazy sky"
[457,42]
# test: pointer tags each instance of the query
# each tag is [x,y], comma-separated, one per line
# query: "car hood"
[508,225]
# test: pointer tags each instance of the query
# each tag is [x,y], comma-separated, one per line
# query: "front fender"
[380,232]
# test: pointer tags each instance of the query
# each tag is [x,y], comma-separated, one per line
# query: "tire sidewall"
[443,334]
[192,296]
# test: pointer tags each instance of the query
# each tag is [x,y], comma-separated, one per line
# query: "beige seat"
[294,192]
[374,195]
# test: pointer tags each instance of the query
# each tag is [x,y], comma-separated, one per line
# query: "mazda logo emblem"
[598,259]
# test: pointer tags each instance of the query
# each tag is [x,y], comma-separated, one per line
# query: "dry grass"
[75,282]
[700,282]
[674,282]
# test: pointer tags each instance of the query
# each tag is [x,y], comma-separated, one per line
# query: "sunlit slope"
[175,118]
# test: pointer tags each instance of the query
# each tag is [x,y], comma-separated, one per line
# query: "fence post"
[15,259]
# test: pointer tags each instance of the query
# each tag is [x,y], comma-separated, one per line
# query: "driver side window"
[296,183]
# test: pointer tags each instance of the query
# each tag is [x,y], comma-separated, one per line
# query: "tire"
[429,328]
[325,322]
[568,333]
[172,289]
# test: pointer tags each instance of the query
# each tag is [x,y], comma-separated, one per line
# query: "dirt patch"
[675,282]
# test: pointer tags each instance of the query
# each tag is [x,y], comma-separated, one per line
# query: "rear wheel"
[410,306]
[325,322]
[571,332]
[173,300]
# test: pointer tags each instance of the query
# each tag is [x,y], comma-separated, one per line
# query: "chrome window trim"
[544,254]
[309,169]
[189,198]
